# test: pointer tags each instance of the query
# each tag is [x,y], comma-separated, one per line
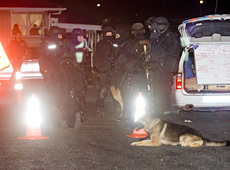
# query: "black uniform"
[104,64]
[72,78]
[50,52]
[16,51]
[163,63]
[130,70]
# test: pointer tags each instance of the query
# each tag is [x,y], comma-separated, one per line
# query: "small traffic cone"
[33,133]
[33,121]
[138,133]
[140,111]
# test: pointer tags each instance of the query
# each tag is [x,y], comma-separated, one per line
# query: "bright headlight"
[53,46]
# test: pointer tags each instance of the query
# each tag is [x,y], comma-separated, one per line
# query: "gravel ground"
[101,144]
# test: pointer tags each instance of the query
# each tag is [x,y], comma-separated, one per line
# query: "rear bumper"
[179,99]
[29,70]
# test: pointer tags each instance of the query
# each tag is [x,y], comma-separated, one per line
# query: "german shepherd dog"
[166,133]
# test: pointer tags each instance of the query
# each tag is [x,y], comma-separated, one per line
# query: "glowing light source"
[53,46]
[140,107]
[98,5]
[33,117]
[201,1]
[18,75]
[18,85]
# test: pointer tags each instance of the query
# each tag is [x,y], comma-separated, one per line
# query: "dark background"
[129,11]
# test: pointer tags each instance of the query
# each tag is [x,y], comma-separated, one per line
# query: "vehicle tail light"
[18,84]
[178,81]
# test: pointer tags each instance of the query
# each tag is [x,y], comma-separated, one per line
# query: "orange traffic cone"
[140,111]
[33,133]
[33,121]
[138,133]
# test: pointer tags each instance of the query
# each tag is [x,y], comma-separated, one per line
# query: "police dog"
[166,133]
[116,93]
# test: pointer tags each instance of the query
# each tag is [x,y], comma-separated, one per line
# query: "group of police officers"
[122,59]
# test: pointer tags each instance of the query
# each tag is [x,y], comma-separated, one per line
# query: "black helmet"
[78,31]
[56,30]
[108,29]
[138,27]
[162,23]
[149,21]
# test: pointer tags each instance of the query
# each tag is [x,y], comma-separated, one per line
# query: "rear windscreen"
[208,28]
[212,64]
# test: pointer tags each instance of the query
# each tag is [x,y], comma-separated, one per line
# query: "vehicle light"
[53,46]
[178,81]
[115,45]
[140,107]
[18,76]
[18,86]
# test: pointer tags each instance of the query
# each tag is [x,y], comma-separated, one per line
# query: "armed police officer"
[131,67]
[104,64]
[162,61]
[51,50]
[73,79]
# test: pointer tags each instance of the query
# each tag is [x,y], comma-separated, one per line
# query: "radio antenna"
[216,6]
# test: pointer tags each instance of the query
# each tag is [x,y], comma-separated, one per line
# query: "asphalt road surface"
[101,143]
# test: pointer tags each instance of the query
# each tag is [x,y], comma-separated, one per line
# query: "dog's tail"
[211,143]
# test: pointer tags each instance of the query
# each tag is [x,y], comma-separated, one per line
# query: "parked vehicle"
[203,78]
[30,68]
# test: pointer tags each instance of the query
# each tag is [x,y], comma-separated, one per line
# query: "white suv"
[203,78]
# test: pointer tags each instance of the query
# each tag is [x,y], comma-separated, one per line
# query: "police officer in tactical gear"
[71,82]
[163,63]
[104,63]
[120,75]
[78,49]
[130,66]
[51,50]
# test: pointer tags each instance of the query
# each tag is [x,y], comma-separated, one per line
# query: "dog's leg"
[144,143]
[190,140]
[155,141]
[117,95]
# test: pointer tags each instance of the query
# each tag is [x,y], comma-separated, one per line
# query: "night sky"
[130,11]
